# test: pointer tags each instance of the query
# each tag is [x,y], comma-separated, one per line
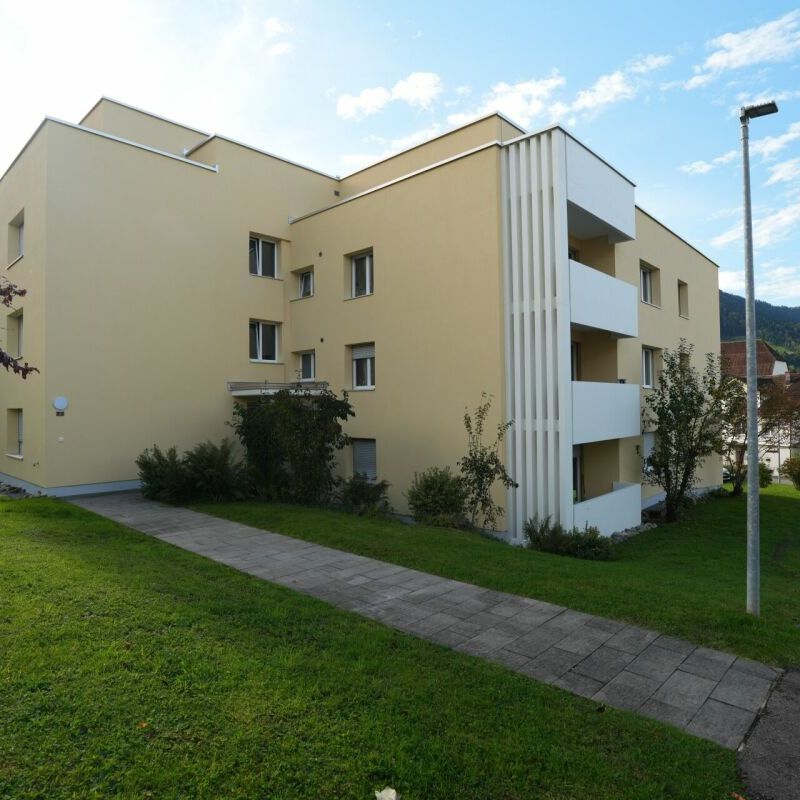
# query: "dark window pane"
[307,366]
[361,371]
[254,340]
[269,342]
[371,371]
[254,256]
[268,259]
[360,276]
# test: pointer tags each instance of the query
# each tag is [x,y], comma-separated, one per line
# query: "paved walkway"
[708,693]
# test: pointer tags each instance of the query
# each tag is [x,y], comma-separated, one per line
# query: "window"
[649,285]
[16,237]
[14,328]
[364,458]
[648,445]
[308,366]
[648,367]
[683,299]
[362,275]
[305,282]
[263,341]
[575,360]
[14,428]
[573,254]
[363,366]
[263,257]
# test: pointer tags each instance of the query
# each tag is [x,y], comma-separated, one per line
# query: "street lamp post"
[753,523]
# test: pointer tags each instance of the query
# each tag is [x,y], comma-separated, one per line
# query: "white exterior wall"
[601,302]
[613,511]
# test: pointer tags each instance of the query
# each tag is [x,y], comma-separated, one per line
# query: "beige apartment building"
[172,273]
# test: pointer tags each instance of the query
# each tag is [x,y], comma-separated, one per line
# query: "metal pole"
[753,522]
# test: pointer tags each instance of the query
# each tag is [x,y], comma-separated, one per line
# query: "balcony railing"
[614,511]
[603,411]
[601,302]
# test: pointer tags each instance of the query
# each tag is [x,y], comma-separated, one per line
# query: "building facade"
[171,273]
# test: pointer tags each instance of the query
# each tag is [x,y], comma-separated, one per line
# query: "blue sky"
[654,88]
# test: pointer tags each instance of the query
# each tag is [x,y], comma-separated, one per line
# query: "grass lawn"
[686,579]
[132,669]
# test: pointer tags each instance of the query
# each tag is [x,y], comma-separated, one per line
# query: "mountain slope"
[778,325]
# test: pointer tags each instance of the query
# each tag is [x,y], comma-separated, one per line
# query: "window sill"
[15,456]
[359,296]
[307,297]
[652,305]
[264,361]
[268,277]
[363,389]
[16,260]
[683,316]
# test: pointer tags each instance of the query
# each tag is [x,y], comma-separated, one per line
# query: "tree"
[291,439]
[686,411]
[778,419]
[8,292]
[482,466]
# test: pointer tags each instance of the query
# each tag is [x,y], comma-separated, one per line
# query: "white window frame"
[260,240]
[369,277]
[19,451]
[306,273]
[646,285]
[369,361]
[648,360]
[313,356]
[371,478]
[261,324]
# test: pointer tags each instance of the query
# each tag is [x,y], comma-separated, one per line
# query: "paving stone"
[742,689]
[755,668]
[664,712]
[685,690]
[708,663]
[536,642]
[466,628]
[631,639]
[508,658]
[678,645]
[567,620]
[486,642]
[584,641]
[578,684]
[448,637]
[726,725]
[604,624]
[656,662]
[604,664]
[550,665]
[628,690]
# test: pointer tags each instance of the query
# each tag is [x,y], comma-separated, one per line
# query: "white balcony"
[601,201]
[611,512]
[601,302]
[602,411]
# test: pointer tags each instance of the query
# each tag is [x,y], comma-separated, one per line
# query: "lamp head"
[760,110]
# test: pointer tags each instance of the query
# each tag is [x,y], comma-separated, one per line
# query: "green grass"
[686,579]
[132,669]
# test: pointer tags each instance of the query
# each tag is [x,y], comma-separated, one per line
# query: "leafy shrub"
[764,475]
[363,496]
[163,475]
[554,538]
[437,497]
[791,470]
[213,472]
[206,472]
[482,466]
[291,439]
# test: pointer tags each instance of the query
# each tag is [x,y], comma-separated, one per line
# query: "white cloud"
[774,41]
[522,102]
[702,167]
[784,172]
[463,91]
[771,145]
[775,284]
[419,90]
[767,230]
[607,89]
[275,27]
[366,102]
[280,49]
[731,281]
[356,161]
[649,63]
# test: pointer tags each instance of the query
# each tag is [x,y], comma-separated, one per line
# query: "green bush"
[554,538]
[214,474]
[208,472]
[764,475]
[437,497]
[791,470]
[363,496]
[163,475]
